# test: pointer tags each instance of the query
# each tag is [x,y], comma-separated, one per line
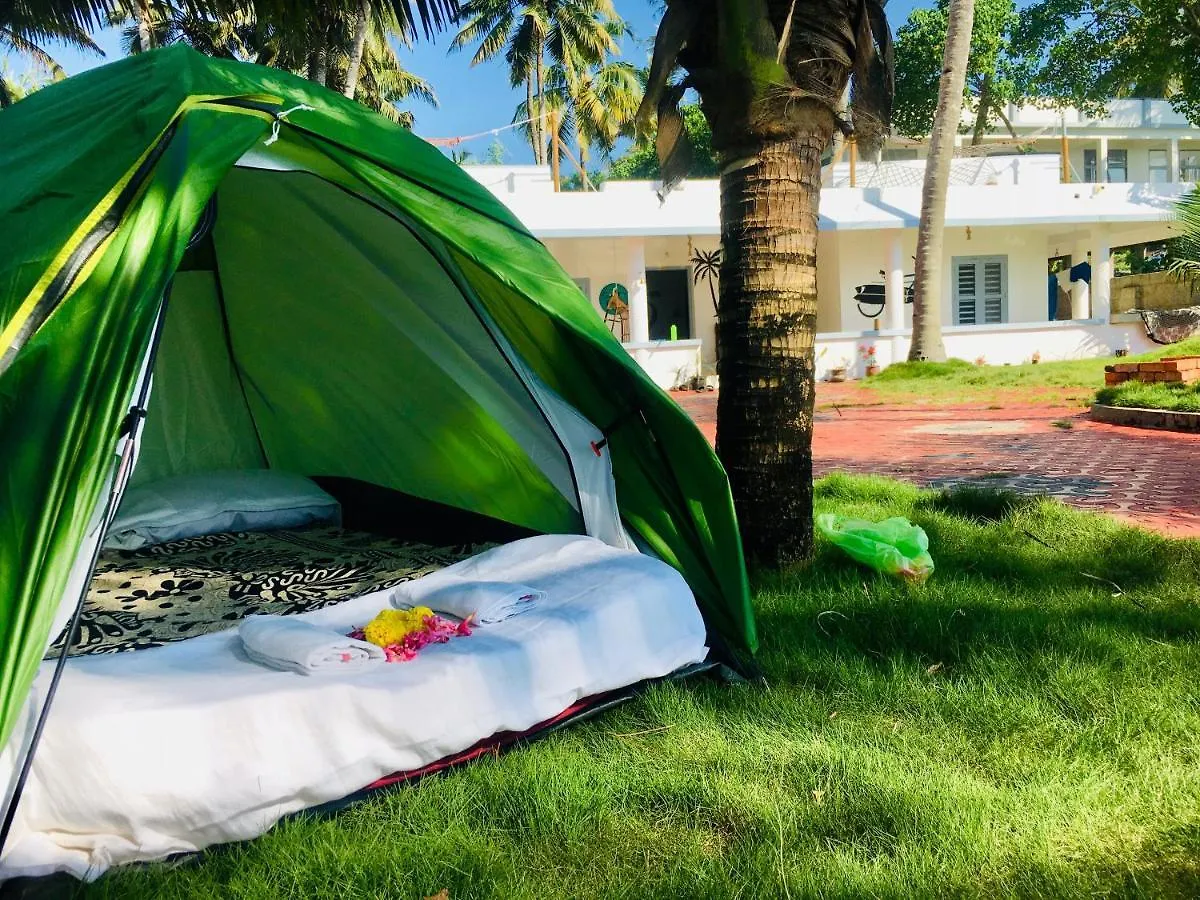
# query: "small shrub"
[904,370]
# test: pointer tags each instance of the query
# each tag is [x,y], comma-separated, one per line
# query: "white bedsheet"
[176,748]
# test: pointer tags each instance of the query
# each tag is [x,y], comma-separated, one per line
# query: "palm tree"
[605,101]
[362,27]
[24,30]
[322,48]
[927,283]
[770,75]
[24,24]
[571,34]
[157,23]
[383,81]
[428,16]
[591,109]
[1185,249]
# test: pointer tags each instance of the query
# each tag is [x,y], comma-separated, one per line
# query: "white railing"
[1129,113]
[1042,168]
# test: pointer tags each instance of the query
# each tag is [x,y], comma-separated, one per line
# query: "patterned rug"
[181,589]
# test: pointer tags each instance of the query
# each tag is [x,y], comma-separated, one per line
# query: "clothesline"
[455,141]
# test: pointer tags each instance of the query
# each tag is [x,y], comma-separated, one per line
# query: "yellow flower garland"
[391,626]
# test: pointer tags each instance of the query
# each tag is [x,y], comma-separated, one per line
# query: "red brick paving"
[1151,478]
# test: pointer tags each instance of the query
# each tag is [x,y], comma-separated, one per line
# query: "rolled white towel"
[488,602]
[284,642]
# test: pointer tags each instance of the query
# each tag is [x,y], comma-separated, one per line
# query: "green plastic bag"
[895,546]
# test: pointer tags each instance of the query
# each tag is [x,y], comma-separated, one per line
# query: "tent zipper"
[64,280]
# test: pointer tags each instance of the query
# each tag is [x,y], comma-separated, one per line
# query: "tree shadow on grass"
[977,503]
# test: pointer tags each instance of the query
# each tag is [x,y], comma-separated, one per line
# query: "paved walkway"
[1149,477]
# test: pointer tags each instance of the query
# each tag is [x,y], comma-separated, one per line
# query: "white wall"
[859,256]
[997,345]
[513,179]
[600,260]
[605,260]
[669,363]
[829,308]
[704,319]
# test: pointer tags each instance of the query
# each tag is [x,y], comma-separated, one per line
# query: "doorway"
[670,303]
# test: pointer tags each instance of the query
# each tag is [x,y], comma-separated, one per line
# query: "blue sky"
[471,99]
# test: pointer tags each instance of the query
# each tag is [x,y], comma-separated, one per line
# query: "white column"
[1080,295]
[639,306]
[1102,272]
[1174,163]
[894,292]
[1102,161]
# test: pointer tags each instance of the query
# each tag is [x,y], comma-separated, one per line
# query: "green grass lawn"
[1178,397]
[1027,723]
[960,381]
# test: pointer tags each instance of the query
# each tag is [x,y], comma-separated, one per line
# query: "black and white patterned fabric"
[181,589]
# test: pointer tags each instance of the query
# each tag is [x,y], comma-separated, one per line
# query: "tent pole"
[130,426]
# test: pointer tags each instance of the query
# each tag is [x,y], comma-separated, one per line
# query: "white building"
[1008,216]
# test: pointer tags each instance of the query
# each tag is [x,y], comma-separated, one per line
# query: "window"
[1160,166]
[1089,166]
[1118,165]
[980,290]
[1189,167]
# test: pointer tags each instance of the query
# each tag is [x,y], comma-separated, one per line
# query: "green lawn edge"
[958,380]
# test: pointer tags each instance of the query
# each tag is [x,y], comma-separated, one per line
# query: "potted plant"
[870,362]
[1036,358]
[838,372]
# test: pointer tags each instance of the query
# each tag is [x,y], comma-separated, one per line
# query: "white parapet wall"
[670,363]
[997,345]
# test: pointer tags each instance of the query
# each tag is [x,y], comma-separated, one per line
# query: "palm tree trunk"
[534,137]
[766,331]
[360,43]
[321,64]
[145,31]
[927,282]
[555,156]
[981,115]
[582,150]
[539,151]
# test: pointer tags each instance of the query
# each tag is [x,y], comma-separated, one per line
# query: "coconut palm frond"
[1185,249]
[9,93]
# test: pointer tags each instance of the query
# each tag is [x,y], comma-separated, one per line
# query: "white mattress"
[176,748]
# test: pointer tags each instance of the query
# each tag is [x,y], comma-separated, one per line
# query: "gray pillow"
[213,502]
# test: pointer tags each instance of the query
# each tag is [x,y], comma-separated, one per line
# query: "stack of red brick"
[1176,368]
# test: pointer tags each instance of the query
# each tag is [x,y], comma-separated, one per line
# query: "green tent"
[326,294]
